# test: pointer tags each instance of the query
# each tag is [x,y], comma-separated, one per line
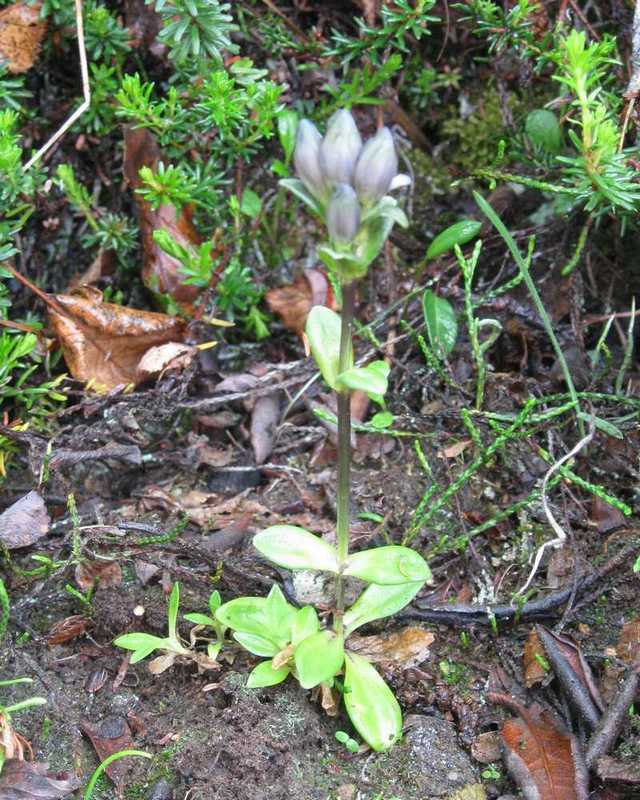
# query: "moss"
[475,137]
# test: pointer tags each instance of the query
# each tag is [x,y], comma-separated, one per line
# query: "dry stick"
[86,93]
[607,732]
[633,87]
[461,615]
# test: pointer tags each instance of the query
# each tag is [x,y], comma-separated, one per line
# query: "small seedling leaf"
[543,129]
[245,614]
[323,334]
[440,319]
[250,205]
[371,704]
[319,658]
[215,601]
[371,379]
[142,644]
[458,234]
[377,602]
[257,645]
[381,420]
[280,614]
[305,624]
[388,565]
[294,548]
[265,675]
[287,128]
[172,611]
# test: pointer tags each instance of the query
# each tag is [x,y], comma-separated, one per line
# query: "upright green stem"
[344,451]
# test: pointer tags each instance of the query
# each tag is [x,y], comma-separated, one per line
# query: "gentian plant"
[345,184]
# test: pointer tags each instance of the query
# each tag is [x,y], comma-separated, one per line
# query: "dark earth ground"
[210,737]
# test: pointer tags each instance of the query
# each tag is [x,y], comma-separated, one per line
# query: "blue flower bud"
[343,214]
[306,157]
[377,167]
[340,148]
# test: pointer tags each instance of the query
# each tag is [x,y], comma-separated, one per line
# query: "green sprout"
[171,646]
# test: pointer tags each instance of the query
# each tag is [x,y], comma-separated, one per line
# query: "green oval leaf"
[440,319]
[377,602]
[543,128]
[143,644]
[388,565]
[458,234]
[258,645]
[372,379]
[319,658]
[305,624]
[323,334]
[294,548]
[245,614]
[370,704]
[265,675]
[279,616]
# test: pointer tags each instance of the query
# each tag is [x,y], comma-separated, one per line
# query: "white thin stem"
[86,92]
[561,536]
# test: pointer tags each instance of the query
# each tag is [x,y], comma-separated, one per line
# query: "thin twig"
[86,93]
[561,536]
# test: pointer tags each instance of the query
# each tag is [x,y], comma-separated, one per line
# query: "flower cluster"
[345,182]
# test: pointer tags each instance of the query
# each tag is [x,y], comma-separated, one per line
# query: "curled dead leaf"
[67,629]
[293,302]
[107,573]
[406,648]
[110,736]
[22,780]
[532,656]
[21,34]
[628,648]
[24,522]
[544,760]
[172,355]
[160,271]
[103,342]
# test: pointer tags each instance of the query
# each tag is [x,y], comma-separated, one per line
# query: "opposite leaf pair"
[323,335]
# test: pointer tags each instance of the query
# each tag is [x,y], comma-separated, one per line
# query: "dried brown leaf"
[161,663]
[160,272]
[540,757]
[264,421]
[628,648]
[21,33]
[24,522]
[110,736]
[454,450]
[293,302]
[606,517]
[22,780]
[107,573]
[172,355]
[67,629]
[406,648]
[533,669]
[104,342]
